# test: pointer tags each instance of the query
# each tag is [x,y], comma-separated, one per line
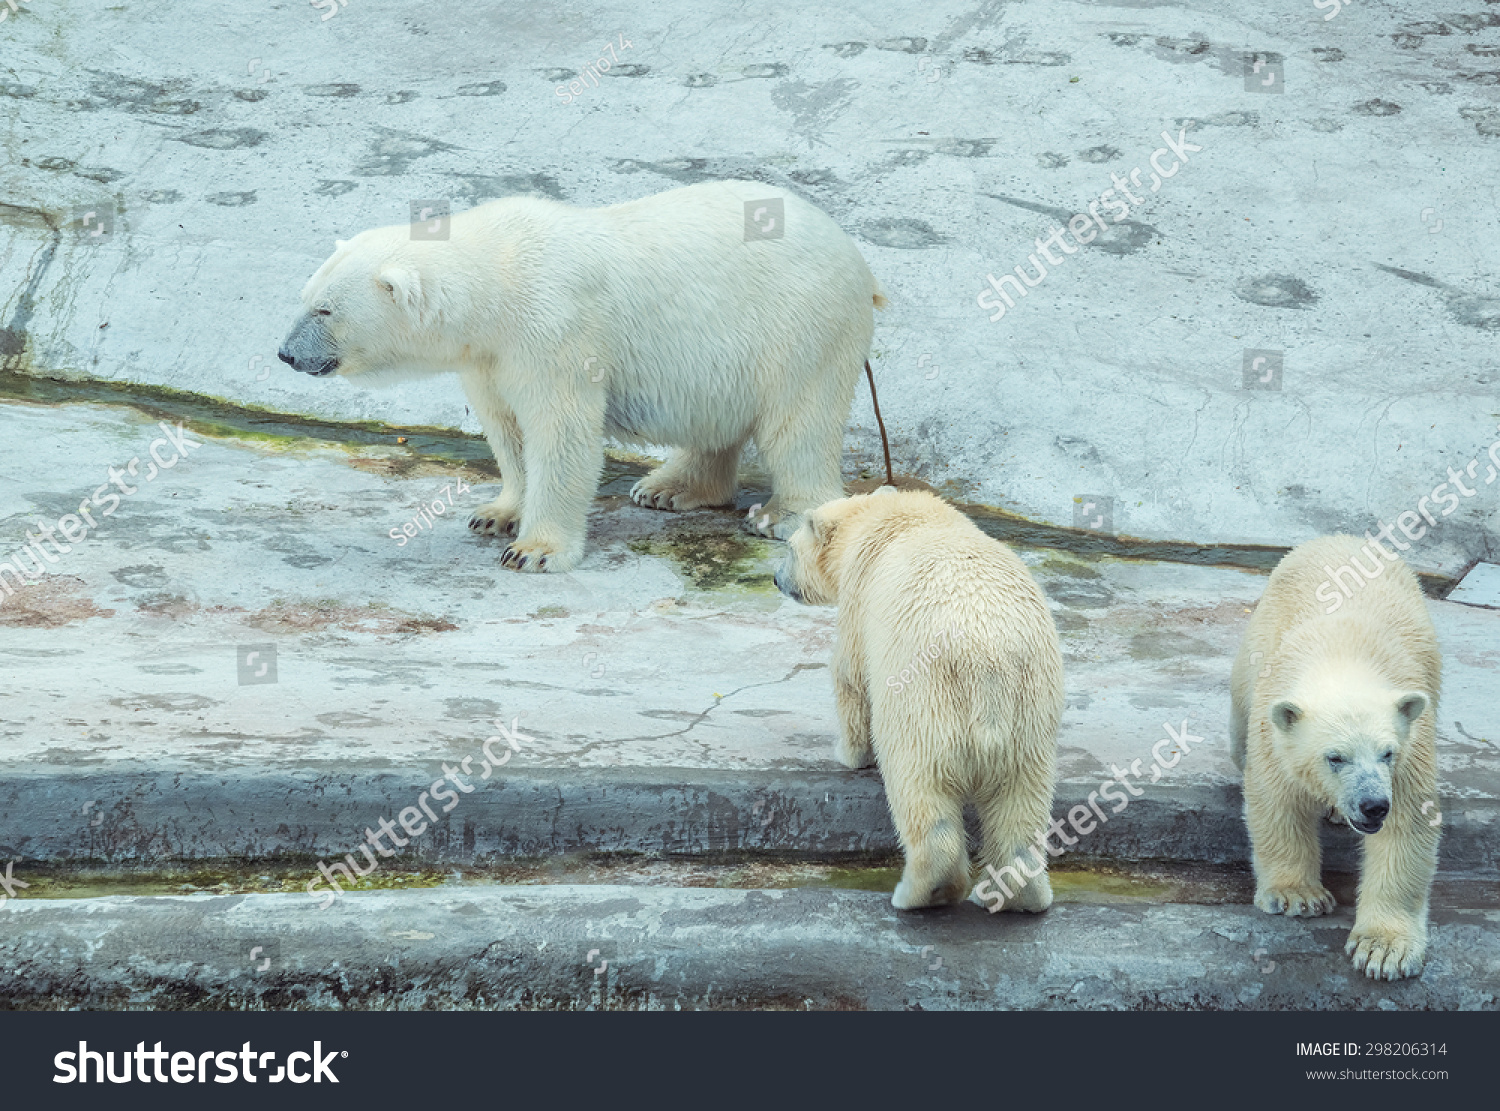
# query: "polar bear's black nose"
[1374,810]
[284,357]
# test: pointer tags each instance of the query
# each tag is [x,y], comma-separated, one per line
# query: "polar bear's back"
[936,578]
[701,325]
[1391,602]
[685,252]
[965,670]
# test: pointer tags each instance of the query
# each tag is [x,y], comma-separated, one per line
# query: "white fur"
[1360,685]
[653,321]
[948,672]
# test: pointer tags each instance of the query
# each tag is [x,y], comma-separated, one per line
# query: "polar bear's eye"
[1334,759]
[322,312]
[1387,756]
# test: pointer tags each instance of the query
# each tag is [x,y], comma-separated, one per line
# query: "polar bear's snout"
[1372,813]
[309,348]
[785,582]
[1368,802]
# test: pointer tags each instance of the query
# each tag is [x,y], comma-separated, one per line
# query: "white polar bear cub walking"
[699,318]
[948,671]
[1334,706]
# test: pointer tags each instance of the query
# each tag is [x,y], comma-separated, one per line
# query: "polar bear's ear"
[1285,714]
[1411,706]
[404,286]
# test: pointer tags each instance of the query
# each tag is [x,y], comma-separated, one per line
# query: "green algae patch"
[262,879]
[1108,887]
[1059,563]
[712,559]
[883,880]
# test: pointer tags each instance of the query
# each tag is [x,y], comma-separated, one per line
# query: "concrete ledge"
[143,818]
[538,948]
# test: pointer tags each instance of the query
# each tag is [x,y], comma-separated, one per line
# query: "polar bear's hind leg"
[802,447]
[690,479]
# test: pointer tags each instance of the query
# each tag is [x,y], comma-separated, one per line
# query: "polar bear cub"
[1334,707]
[947,671]
[700,318]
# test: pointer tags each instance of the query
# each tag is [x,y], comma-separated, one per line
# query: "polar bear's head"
[1344,743]
[810,572]
[370,312]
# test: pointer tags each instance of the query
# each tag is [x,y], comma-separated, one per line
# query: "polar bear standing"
[699,318]
[948,671]
[1337,710]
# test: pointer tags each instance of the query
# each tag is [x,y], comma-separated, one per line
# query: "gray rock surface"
[540,947]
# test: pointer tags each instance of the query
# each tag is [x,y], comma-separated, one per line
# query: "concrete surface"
[539,948]
[1340,213]
[669,698]
[1480,587]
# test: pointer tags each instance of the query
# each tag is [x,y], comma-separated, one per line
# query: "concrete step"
[614,947]
[146,820]
[668,698]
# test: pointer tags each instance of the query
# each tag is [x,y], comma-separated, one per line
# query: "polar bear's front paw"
[1386,954]
[496,518]
[1295,902]
[537,556]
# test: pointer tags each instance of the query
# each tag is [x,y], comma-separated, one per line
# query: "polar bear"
[948,672]
[699,318]
[1336,710]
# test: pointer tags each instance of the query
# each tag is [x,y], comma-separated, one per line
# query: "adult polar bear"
[686,319]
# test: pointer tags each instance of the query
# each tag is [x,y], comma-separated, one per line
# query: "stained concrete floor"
[667,697]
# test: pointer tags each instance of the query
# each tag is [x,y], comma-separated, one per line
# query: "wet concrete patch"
[234,138]
[328,614]
[907,234]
